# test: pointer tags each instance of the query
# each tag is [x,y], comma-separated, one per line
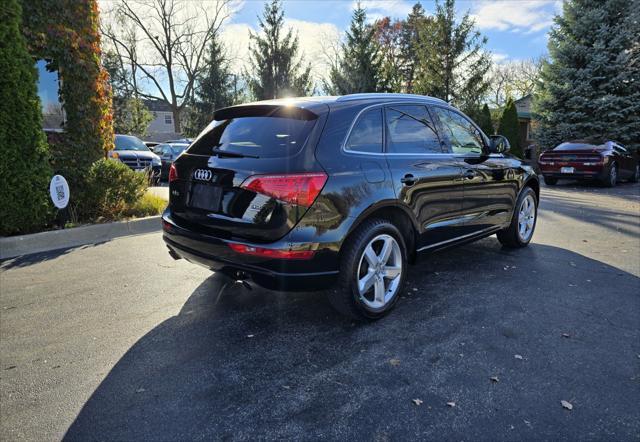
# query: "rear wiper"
[227,153]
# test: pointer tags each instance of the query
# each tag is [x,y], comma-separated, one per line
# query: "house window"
[168,119]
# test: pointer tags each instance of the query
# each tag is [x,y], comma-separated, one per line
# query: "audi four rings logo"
[202,174]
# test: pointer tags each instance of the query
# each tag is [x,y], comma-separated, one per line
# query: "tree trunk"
[177,127]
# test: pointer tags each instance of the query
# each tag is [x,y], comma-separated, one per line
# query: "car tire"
[379,297]
[612,177]
[550,181]
[515,236]
[636,175]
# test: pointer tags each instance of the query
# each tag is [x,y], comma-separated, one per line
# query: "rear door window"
[366,135]
[410,130]
[263,136]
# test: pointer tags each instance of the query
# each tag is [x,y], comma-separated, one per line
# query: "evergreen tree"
[216,87]
[509,127]
[590,86]
[276,69]
[453,65]
[24,163]
[484,120]
[416,20]
[360,66]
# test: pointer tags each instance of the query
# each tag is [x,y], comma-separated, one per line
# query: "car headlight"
[156,161]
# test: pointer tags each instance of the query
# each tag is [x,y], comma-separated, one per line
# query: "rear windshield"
[575,146]
[255,136]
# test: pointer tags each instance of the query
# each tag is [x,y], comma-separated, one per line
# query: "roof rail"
[364,96]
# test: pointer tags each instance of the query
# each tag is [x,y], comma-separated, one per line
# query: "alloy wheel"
[526,218]
[613,175]
[379,271]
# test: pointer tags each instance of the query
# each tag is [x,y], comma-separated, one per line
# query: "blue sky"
[516,29]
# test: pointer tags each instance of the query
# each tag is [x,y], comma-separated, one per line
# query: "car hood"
[134,154]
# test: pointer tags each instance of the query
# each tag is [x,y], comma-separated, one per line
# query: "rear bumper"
[593,174]
[276,274]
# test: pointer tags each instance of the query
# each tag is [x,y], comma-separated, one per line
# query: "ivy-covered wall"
[66,33]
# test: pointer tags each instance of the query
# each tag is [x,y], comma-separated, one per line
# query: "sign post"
[59,192]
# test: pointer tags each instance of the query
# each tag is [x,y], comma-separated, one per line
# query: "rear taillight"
[173,173]
[297,188]
[271,253]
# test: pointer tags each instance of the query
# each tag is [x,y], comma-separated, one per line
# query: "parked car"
[151,144]
[342,193]
[135,154]
[180,140]
[168,153]
[608,162]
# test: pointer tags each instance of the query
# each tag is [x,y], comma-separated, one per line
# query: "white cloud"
[499,57]
[377,9]
[523,16]
[313,38]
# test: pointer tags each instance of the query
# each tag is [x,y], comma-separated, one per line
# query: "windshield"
[256,136]
[578,145]
[178,148]
[127,142]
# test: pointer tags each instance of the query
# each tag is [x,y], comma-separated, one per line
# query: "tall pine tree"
[453,65]
[590,86]
[276,68]
[360,66]
[216,88]
[416,20]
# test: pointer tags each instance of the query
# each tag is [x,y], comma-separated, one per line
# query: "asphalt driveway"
[119,342]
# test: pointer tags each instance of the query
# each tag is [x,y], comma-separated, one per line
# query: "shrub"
[111,190]
[24,162]
[148,205]
[509,127]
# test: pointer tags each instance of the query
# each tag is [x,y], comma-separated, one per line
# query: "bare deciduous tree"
[169,42]
[514,79]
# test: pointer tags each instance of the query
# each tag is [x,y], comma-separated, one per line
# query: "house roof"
[157,106]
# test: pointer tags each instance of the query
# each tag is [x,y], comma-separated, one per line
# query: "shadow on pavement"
[267,365]
[36,258]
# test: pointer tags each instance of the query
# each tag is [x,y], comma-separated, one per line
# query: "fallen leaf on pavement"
[416,401]
[394,362]
[518,356]
[494,379]
[451,404]
[566,405]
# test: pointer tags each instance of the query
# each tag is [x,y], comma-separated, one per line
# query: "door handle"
[408,180]
[469,174]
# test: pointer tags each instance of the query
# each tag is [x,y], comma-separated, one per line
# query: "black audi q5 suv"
[341,193]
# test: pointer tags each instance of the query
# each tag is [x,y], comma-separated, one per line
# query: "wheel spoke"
[365,283]
[391,272]
[386,250]
[379,291]
[371,256]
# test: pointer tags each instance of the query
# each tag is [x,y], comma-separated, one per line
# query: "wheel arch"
[401,216]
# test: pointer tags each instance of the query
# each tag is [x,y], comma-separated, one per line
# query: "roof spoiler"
[264,110]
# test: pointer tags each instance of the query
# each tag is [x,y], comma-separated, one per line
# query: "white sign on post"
[59,191]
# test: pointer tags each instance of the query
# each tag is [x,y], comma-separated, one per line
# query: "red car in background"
[608,163]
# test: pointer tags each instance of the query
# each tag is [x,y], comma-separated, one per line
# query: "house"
[523,106]
[161,127]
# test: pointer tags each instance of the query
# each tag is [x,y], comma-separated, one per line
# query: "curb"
[14,246]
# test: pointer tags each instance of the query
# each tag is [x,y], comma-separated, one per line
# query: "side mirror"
[499,144]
